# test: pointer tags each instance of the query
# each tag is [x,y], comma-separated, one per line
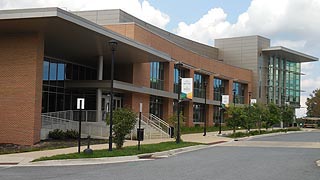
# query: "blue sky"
[191,10]
[290,23]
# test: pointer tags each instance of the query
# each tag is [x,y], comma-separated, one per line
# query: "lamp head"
[113,44]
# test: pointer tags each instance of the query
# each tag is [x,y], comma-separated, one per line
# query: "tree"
[287,115]
[313,104]
[124,120]
[235,116]
[273,115]
[258,113]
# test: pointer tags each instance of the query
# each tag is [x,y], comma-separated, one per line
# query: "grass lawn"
[126,151]
[46,145]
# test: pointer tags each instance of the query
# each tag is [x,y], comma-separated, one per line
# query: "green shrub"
[124,120]
[71,134]
[57,134]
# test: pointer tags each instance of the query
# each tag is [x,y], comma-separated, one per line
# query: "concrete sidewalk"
[27,157]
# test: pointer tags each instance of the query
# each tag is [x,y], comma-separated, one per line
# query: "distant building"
[50,57]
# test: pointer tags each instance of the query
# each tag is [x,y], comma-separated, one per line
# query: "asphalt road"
[215,163]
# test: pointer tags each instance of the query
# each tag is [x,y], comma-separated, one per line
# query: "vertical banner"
[186,88]
[225,100]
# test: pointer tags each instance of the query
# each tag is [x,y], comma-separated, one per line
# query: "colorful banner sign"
[225,100]
[186,88]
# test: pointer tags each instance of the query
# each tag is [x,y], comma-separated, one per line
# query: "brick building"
[50,57]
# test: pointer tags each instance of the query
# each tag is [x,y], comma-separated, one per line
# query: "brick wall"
[21,58]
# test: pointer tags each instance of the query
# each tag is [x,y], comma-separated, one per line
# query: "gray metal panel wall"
[245,52]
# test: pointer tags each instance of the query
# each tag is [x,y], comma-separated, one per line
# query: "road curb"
[120,159]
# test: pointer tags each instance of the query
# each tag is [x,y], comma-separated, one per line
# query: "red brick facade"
[141,71]
[21,58]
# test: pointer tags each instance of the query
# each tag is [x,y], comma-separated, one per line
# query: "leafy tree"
[273,115]
[258,113]
[251,117]
[287,115]
[124,120]
[313,104]
[235,116]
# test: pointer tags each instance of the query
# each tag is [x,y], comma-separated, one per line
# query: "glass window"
[198,85]
[53,71]
[156,75]
[156,106]
[198,112]
[176,78]
[45,70]
[239,92]
[61,71]
[218,88]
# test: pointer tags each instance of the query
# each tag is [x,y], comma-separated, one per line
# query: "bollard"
[88,150]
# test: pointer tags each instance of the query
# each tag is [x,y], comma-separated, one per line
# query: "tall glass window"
[156,106]
[156,75]
[198,85]
[176,78]
[198,112]
[54,95]
[239,89]
[216,115]
[283,81]
[218,88]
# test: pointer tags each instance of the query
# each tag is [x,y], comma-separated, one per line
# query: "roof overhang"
[290,54]
[69,36]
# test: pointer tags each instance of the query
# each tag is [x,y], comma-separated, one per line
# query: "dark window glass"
[198,85]
[198,112]
[44,102]
[60,102]
[156,75]
[52,102]
[82,73]
[156,106]
[75,72]
[68,71]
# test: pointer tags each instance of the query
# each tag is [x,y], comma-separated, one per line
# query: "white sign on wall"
[80,103]
[253,101]
[225,100]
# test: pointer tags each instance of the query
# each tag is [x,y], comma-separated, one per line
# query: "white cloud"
[142,10]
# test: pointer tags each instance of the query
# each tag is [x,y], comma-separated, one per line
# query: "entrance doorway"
[105,103]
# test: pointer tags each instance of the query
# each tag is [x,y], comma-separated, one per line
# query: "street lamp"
[220,119]
[113,46]
[178,66]
[205,83]
[249,110]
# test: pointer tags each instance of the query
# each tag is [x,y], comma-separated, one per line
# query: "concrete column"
[99,91]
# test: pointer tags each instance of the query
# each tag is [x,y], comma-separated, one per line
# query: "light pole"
[249,110]
[220,119]
[113,46]
[205,83]
[234,97]
[178,66]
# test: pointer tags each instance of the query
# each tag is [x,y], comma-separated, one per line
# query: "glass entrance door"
[117,103]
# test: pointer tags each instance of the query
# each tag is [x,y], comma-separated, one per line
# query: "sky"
[294,24]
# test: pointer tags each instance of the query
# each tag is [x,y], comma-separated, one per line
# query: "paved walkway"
[25,158]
